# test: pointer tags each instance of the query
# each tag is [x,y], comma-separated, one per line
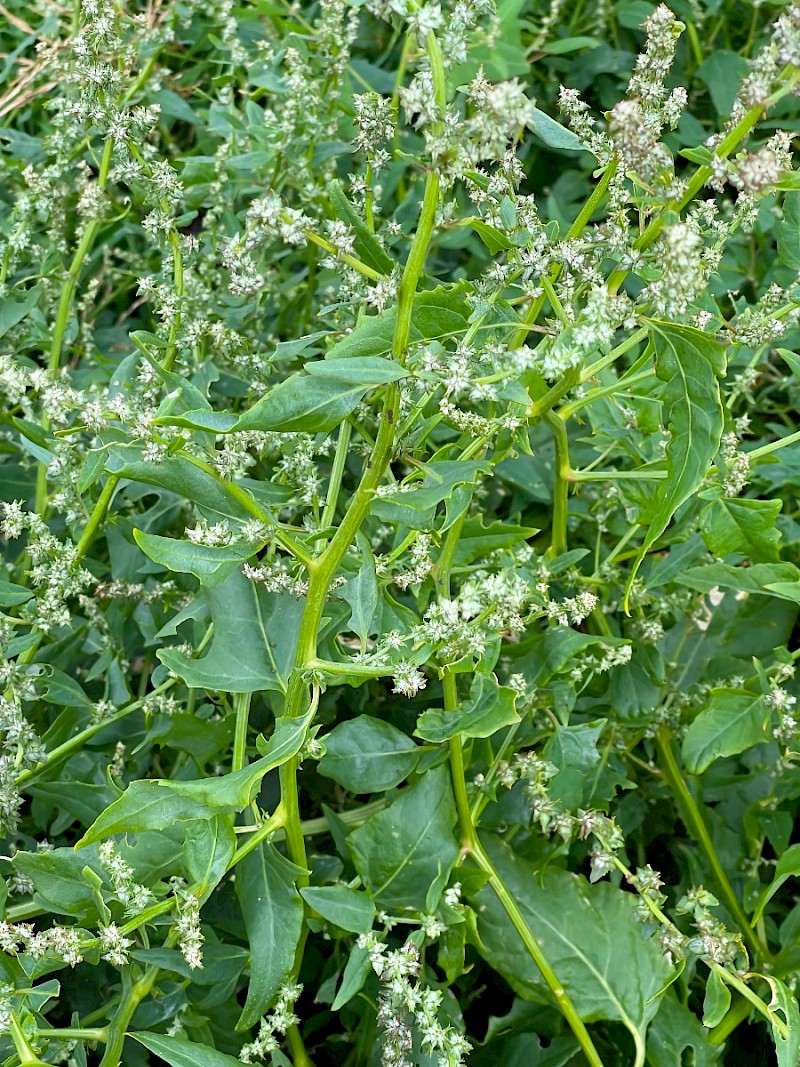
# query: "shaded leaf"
[589,936]
[367,755]
[734,721]
[351,909]
[490,707]
[273,917]
[401,850]
[690,363]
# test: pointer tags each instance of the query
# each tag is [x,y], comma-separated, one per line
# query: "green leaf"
[748,526]
[348,908]
[178,1052]
[179,475]
[674,1030]
[767,579]
[366,245]
[494,239]
[783,1007]
[361,593]
[553,134]
[413,505]
[690,363]
[211,565]
[156,803]
[208,849]
[318,398]
[367,755]
[573,749]
[11,596]
[272,910]
[356,970]
[589,936]
[788,866]
[399,851]
[436,313]
[717,1001]
[478,540]
[723,72]
[734,721]
[14,311]
[490,707]
[253,647]
[59,881]
[789,231]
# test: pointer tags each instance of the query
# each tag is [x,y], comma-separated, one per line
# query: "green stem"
[64,750]
[748,994]
[276,821]
[561,472]
[180,292]
[736,1015]
[294,1040]
[246,500]
[351,261]
[337,472]
[773,446]
[787,80]
[74,1033]
[694,821]
[609,476]
[27,1057]
[562,998]
[97,516]
[73,275]
[618,386]
[614,354]
[133,993]
[241,705]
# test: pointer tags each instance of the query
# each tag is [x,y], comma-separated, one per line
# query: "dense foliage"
[400,542]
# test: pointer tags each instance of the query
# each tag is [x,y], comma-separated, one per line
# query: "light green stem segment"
[697,827]
[773,446]
[323,568]
[133,993]
[241,704]
[561,477]
[560,995]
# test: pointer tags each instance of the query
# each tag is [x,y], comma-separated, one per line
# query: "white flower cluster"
[190,936]
[21,748]
[114,946]
[55,570]
[134,897]
[572,610]
[273,1025]
[59,942]
[405,1005]
[737,465]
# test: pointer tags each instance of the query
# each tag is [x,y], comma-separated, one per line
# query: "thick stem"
[696,825]
[337,472]
[562,998]
[133,993]
[241,704]
[561,475]
[97,516]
